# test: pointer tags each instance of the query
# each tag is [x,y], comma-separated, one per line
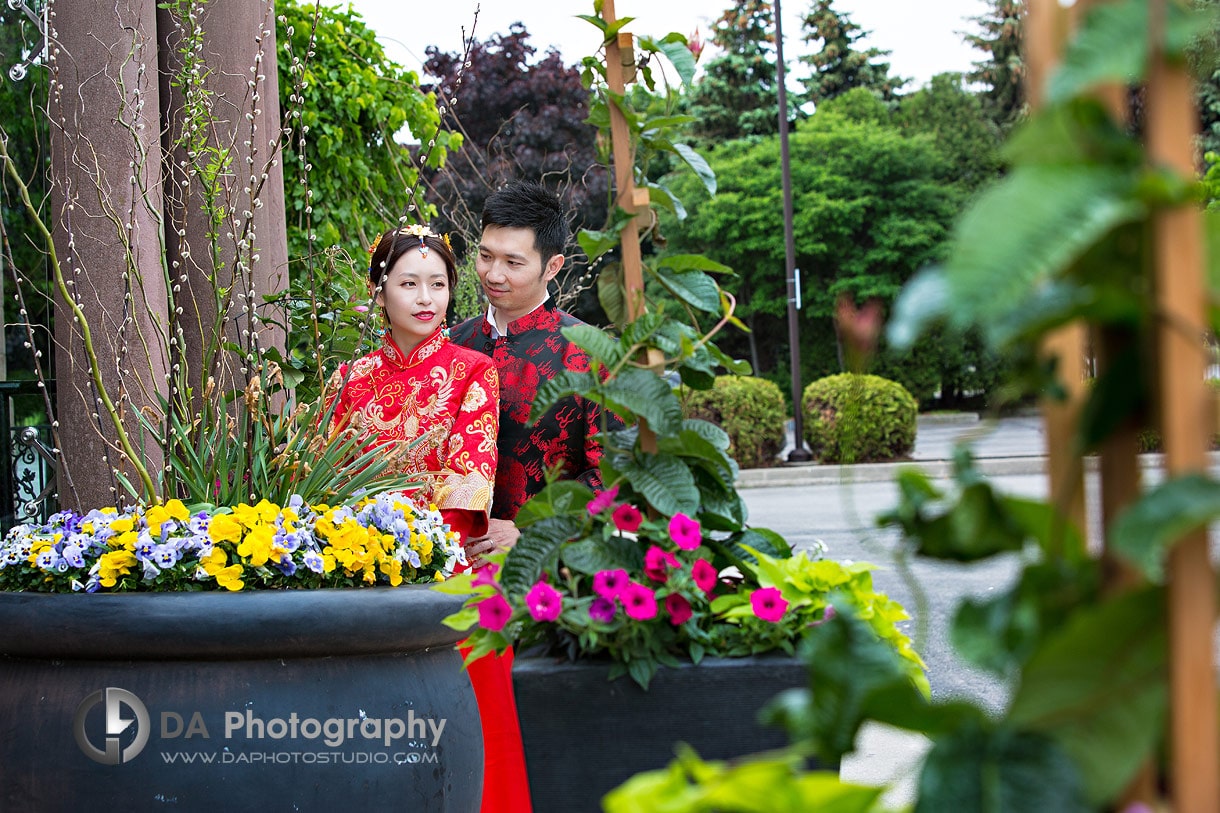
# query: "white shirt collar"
[491,316]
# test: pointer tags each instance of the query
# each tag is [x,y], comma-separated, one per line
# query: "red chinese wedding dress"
[446,398]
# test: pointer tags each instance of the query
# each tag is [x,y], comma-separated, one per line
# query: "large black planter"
[584,735]
[275,700]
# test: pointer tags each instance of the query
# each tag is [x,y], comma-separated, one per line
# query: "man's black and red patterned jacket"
[535,351]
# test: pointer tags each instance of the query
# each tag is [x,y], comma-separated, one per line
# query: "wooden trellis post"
[619,60]
[1181,299]
[1046,28]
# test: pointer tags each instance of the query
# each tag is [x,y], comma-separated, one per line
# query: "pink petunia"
[609,583]
[678,608]
[657,564]
[639,602]
[602,500]
[486,574]
[494,612]
[769,604]
[705,575]
[602,609]
[627,518]
[544,602]
[685,532]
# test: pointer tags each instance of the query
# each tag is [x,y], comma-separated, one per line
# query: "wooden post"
[1181,299]
[1046,29]
[629,199]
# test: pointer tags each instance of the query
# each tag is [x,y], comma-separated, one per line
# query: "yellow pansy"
[113,564]
[224,528]
[122,524]
[257,546]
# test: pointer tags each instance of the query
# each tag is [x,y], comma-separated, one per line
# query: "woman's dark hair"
[392,244]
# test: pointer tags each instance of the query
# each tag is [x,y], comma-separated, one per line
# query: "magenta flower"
[685,532]
[609,583]
[602,500]
[486,574]
[769,604]
[602,609]
[705,575]
[544,602]
[678,608]
[627,518]
[657,564]
[639,602]
[494,612]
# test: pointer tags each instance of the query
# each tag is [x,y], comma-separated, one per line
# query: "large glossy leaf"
[536,551]
[593,555]
[665,482]
[679,55]
[986,770]
[699,164]
[641,393]
[710,432]
[695,288]
[596,342]
[611,293]
[1098,687]
[1146,530]
[560,498]
[1113,44]
[924,301]
[1024,231]
[565,383]
[693,262]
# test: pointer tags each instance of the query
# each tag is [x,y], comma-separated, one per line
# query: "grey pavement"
[834,507]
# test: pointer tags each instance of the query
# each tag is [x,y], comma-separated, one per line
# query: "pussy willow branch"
[61,284]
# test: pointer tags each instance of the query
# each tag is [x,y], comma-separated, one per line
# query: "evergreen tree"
[1002,72]
[736,96]
[840,63]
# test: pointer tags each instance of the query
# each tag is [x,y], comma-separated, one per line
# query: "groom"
[521,250]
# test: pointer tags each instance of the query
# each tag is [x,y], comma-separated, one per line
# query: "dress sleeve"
[334,396]
[470,452]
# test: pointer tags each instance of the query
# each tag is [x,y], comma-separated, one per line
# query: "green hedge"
[751,410]
[854,418]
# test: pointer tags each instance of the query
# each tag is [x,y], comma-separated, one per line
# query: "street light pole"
[799,453]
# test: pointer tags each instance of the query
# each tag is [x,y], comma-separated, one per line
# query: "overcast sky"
[923,35]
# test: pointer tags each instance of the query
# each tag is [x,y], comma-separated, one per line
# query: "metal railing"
[27,464]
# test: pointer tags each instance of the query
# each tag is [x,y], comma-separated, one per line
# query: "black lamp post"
[799,453]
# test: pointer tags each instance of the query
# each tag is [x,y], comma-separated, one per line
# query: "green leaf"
[596,342]
[1113,44]
[612,293]
[710,432]
[693,262]
[537,550]
[590,556]
[695,288]
[924,301]
[700,166]
[596,243]
[1024,231]
[1146,530]
[565,384]
[679,56]
[999,771]
[560,498]
[1099,688]
[637,392]
[664,482]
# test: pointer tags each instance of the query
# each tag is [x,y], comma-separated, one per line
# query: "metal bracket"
[22,68]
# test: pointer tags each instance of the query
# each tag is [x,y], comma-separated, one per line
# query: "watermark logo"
[117,723]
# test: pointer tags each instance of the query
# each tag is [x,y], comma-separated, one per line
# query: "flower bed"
[379,540]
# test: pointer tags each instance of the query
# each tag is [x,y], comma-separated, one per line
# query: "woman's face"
[415,294]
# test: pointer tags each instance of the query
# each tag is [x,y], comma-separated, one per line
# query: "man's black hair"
[529,205]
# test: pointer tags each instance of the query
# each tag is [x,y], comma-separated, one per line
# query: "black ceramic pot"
[269,700]
[585,736]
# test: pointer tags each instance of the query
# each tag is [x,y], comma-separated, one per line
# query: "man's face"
[511,271]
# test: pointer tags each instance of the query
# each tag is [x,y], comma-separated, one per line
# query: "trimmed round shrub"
[751,410]
[856,418]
